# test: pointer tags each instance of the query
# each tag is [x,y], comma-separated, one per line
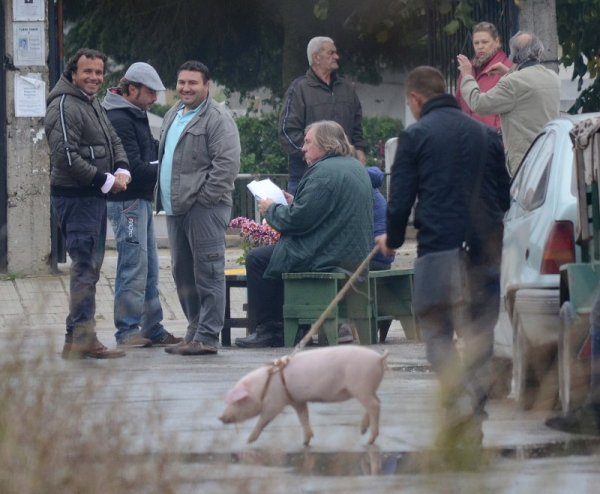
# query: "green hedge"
[262,153]
[376,131]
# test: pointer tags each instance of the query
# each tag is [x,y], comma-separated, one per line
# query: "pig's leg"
[302,411]
[264,420]
[364,424]
[371,404]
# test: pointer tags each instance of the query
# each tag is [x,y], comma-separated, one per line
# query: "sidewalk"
[43,301]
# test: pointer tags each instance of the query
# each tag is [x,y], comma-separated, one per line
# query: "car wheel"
[573,373]
[535,376]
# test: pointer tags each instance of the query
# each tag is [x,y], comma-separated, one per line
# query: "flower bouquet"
[253,234]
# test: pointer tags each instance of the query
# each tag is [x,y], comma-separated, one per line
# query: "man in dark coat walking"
[454,167]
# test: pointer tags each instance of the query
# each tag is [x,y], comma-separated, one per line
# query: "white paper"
[30,95]
[28,43]
[263,189]
[29,10]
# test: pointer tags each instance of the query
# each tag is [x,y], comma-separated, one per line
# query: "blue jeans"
[82,221]
[137,303]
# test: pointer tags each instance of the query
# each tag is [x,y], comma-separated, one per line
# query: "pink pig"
[330,374]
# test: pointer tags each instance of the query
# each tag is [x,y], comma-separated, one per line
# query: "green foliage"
[242,41]
[377,130]
[261,152]
[160,110]
[577,22]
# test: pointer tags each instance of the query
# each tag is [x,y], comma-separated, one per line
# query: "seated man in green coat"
[327,226]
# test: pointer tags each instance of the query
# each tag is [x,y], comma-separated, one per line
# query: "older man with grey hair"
[526,98]
[320,94]
[327,226]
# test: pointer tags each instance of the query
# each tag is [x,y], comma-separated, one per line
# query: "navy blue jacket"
[379,210]
[133,129]
[436,163]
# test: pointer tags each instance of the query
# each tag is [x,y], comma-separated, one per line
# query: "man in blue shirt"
[199,155]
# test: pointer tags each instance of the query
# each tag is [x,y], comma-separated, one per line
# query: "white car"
[539,236]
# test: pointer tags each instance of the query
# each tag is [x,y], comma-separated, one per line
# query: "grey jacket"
[83,144]
[526,98]
[206,159]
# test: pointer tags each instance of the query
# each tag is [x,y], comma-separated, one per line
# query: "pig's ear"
[236,394]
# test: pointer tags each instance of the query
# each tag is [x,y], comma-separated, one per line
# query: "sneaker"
[167,339]
[135,341]
[95,349]
[345,334]
[192,348]
[583,420]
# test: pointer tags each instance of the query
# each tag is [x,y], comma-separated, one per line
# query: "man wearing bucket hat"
[137,309]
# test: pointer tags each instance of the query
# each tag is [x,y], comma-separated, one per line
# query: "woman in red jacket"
[489,65]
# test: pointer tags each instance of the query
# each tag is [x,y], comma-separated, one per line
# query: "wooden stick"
[319,322]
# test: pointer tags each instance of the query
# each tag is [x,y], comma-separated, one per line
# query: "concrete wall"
[28,187]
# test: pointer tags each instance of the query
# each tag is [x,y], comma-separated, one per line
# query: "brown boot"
[94,349]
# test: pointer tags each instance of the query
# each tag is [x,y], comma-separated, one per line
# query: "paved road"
[187,393]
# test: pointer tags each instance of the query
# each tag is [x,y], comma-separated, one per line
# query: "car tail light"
[559,248]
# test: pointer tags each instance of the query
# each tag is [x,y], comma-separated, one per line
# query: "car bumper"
[538,312]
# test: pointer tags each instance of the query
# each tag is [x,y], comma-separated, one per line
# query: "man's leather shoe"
[266,335]
[192,348]
[583,420]
[95,349]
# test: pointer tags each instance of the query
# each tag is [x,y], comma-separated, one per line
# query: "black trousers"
[265,295]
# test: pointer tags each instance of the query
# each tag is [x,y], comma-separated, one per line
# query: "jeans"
[82,221]
[137,303]
[197,241]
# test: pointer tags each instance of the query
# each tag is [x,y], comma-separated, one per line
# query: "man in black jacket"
[320,94]
[137,311]
[454,167]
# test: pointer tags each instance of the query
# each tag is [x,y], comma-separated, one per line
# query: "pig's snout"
[226,418]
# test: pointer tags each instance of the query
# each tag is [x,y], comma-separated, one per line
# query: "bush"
[261,151]
[377,130]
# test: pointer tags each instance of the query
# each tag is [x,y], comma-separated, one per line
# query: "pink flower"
[254,233]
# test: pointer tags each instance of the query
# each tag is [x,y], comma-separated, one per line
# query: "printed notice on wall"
[30,95]
[28,10]
[28,43]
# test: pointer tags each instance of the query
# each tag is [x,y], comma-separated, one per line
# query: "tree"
[580,42]
[249,43]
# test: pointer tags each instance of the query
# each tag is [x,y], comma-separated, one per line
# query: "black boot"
[583,420]
[269,334]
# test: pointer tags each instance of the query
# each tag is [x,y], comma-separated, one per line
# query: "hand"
[381,242]
[499,68]
[264,204]
[118,186]
[288,197]
[361,156]
[464,65]
[123,179]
